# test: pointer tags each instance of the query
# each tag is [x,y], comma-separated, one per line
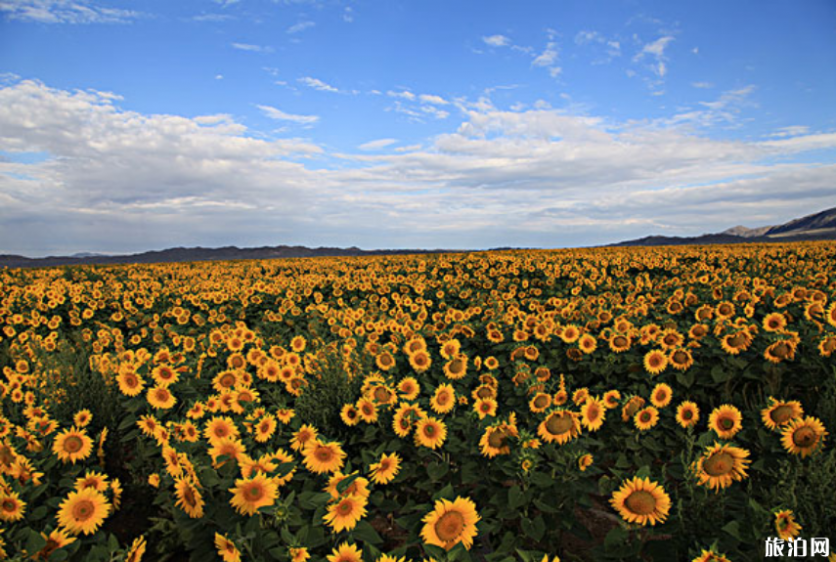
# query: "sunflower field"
[653,404]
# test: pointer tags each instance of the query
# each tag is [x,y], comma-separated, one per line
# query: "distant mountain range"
[820,226]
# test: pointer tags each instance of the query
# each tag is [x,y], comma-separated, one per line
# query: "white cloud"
[496,40]
[117,180]
[318,84]
[547,57]
[301,26]
[433,99]
[702,85]
[219,77]
[64,11]
[280,115]
[252,48]
[405,94]
[656,48]
[377,144]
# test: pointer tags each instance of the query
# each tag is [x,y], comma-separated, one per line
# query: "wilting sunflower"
[322,457]
[661,395]
[779,413]
[386,469]
[641,501]
[345,513]
[585,461]
[189,498]
[12,508]
[687,414]
[346,553]
[655,361]
[725,421]
[430,432]
[450,523]
[802,436]
[786,526]
[646,418]
[250,494]
[227,549]
[83,511]
[560,426]
[593,413]
[72,445]
[444,399]
[721,465]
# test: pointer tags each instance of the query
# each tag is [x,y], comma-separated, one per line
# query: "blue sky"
[128,126]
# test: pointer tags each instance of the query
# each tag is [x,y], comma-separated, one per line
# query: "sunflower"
[346,553]
[655,361]
[485,407]
[55,540]
[736,342]
[385,361]
[386,469]
[587,344]
[227,549]
[189,498]
[619,343]
[349,415]
[456,368]
[130,383]
[786,526]
[299,554]
[304,435]
[560,426]
[580,396]
[219,428]
[322,457]
[612,398]
[358,487]
[367,410]
[774,322]
[593,413]
[779,413]
[430,432]
[646,418]
[12,507]
[82,418]
[494,441]
[443,399]
[92,479]
[265,428]
[228,447]
[641,501]
[72,445]
[83,511]
[721,465]
[409,388]
[161,397]
[137,550]
[164,375]
[710,556]
[779,351]
[420,361]
[585,461]
[451,523]
[345,513]
[725,421]
[661,395]
[687,414]
[540,402]
[680,359]
[250,494]
[802,436]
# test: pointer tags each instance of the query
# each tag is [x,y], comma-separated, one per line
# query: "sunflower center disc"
[496,439]
[255,492]
[83,510]
[726,424]
[718,464]
[641,502]
[804,437]
[559,424]
[72,444]
[781,414]
[449,526]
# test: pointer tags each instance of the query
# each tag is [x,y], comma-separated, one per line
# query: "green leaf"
[534,528]
[35,541]
[733,528]
[516,498]
[366,533]
[343,485]
[615,539]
